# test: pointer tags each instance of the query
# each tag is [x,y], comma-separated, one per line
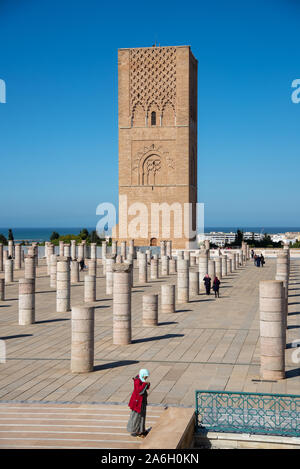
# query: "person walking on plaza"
[262,260]
[257,261]
[207,283]
[252,253]
[216,287]
[138,404]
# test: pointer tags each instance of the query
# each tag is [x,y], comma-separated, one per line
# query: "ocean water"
[43,234]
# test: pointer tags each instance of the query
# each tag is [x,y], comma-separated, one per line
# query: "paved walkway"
[206,344]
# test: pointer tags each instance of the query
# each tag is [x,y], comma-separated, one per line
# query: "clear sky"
[58,128]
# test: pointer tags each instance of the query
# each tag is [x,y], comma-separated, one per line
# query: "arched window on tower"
[153,118]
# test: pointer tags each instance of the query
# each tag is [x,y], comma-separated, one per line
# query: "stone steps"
[58,426]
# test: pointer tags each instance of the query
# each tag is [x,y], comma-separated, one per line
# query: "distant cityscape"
[220,238]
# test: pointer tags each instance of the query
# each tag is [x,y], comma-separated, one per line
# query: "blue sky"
[58,129]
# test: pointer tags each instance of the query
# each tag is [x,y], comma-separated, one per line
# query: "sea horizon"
[44,233]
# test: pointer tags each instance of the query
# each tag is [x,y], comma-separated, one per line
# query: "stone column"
[132,251]
[229,265]
[53,268]
[211,269]
[67,250]
[282,274]
[92,267]
[93,250]
[104,250]
[162,248]
[169,248]
[9,271]
[11,248]
[82,348]
[148,256]
[61,249]
[63,291]
[172,266]
[123,249]
[150,310]
[2,289]
[1,257]
[186,256]
[179,255]
[203,268]
[218,266]
[89,288]
[18,259]
[75,277]
[73,249]
[272,330]
[121,304]
[224,265]
[114,248]
[80,251]
[26,301]
[192,260]
[154,269]
[164,265]
[193,284]
[182,281]
[110,261]
[30,269]
[143,268]
[50,252]
[168,298]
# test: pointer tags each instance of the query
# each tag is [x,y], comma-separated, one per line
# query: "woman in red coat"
[138,404]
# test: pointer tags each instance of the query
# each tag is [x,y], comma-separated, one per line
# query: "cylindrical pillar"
[224,265]
[182,281]
[80,251]
[172,266]
[150,310]
[162,248]
[67,250]
[73,249]
[61,248]
[9,271]
[26,301]
[203,268]
[2,289]
[75,278]
[121,304]
[18,259]
[93,251]
[82,348]
[123,249]
[63,291]
[92,267]
[89,288]
[1,257]
[168,298]
[114,248]
[143,268]
[53,268]
[110,261]
[229,265]
[169,248]
[11,248]
[154,269]
[211,269]
[193,284]
[218,266]
[272,330]
[164,265]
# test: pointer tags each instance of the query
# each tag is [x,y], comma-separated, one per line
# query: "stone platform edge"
[173,430]
[218,440]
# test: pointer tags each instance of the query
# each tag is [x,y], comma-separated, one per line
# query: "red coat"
[136,399]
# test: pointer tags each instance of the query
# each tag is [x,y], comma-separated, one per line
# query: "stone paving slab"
[207,344]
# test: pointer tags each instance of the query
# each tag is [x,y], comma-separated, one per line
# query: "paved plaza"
[207,344]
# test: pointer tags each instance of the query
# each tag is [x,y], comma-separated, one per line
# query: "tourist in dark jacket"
[258,261]
[207,283]
[262,260]
[138,404]
[216,287]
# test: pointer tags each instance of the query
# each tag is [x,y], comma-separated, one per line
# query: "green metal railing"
[243,412]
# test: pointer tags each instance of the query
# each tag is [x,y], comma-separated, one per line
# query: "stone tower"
[157,145]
